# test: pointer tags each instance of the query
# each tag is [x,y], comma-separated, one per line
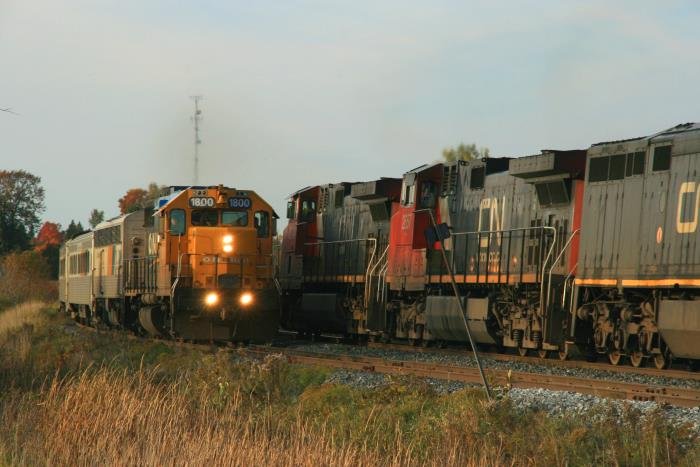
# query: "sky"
[299,93]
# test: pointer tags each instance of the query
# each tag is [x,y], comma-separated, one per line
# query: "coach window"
[428,195]
[205,217]
[234,218]
[177,222]
[262,224]
[662,158]
[476,179]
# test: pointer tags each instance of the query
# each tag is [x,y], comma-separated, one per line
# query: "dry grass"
[125,402]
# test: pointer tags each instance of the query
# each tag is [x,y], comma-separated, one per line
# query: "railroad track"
[672,395]
[668,373]
[682,397]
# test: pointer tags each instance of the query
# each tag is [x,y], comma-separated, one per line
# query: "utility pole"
[196,118]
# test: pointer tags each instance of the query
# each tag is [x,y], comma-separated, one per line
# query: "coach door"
[655,212]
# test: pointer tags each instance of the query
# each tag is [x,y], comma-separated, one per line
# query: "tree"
[49,235]
[21,203]
[464,152]
[73,230]
[132,201]
[96,217]
[138,198]
[47,243]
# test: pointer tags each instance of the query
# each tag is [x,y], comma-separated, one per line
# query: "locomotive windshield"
[234,218]
[205,217]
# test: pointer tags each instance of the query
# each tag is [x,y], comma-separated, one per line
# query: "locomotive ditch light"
[246,298]
[211,299]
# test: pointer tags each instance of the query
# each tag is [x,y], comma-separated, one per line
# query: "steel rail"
[678,396]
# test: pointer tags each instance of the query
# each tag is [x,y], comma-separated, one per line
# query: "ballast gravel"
[553,403]
[465,360]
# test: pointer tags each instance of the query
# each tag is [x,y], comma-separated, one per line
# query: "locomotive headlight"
[212,298]
[246,298]
[228,248]
[227,239]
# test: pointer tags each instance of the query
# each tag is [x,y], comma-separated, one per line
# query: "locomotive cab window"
[234,218]
[308,210]
[428,195]
[177,222]
[662,158]
[205,217]
[476,179]
[290,209]
[262,224]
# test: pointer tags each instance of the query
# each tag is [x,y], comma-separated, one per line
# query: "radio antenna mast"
[196,118]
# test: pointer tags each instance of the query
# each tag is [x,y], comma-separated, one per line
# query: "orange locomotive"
[197,266]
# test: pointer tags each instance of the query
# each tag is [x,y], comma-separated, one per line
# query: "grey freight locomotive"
[592,250]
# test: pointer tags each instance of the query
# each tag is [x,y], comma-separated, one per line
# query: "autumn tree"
[132,201]
[21,203]
[464,152]
[47,243]
[138,198]
[96,216]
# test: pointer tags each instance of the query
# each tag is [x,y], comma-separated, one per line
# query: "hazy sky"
[300,93]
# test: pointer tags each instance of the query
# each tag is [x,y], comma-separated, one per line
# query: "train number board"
[202,202]
[239,203]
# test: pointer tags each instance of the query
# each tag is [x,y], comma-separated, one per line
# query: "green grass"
[71,397]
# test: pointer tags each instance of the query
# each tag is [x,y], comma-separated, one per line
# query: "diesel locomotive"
[198,265]
[593,250]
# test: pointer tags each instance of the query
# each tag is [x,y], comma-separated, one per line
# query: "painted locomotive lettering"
[541,269]
[688,203]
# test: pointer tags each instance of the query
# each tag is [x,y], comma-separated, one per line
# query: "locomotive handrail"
[544,267]
[541,266]
[536,227]
[354,240]
[563,250]
[370,272]
[566,280]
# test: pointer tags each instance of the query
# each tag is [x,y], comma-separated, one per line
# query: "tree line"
[29,249]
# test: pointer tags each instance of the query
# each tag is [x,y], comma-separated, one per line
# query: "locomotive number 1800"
[239,203]
[202,202]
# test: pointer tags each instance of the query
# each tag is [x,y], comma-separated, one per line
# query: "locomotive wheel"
[662,360]
[564,354]
[636,359]
[543,354]
[412,342]
[615,357]
[522,351]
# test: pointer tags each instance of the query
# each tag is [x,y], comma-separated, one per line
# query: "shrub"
[26,276]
